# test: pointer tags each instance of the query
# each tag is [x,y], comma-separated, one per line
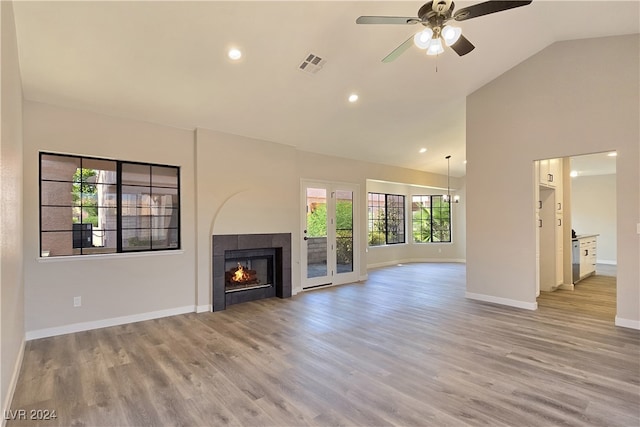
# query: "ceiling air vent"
[312,64]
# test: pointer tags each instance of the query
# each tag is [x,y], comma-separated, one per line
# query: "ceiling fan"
[434,16]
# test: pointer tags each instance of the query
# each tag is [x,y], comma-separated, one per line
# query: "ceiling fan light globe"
[423,39]
[435,48]
[451,34]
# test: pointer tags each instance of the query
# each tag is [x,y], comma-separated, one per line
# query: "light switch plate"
[77,301]
[638,228]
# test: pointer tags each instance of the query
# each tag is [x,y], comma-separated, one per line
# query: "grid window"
[97,206]
[386,219]
[431,219]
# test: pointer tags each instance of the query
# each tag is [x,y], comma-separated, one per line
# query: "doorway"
[587,232]
[329,246]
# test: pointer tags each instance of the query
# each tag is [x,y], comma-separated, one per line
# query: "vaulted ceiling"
[166,62]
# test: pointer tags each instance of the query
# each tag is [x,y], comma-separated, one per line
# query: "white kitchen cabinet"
[584,256]
[550,173]
[549,215]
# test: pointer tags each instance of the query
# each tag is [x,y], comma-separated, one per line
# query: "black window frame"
[393,234]
[431,222]
[119,249]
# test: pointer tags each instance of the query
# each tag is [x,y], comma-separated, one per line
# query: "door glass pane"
[316,232]
[344,231]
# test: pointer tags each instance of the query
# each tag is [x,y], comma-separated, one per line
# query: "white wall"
[11,277]
[115,288]
[572,98]
[243,186]
[593,211]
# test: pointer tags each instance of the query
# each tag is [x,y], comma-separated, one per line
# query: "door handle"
[305,238]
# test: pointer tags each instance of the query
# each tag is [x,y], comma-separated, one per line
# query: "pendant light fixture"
[447,197]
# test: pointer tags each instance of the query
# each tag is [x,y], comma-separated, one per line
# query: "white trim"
[105,323]
[363,278]
[203,308]
[415,260]
[607,261]
[627,323]
[115,255]
[14,381]
[502,301]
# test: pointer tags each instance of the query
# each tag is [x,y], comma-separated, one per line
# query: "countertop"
[584,236]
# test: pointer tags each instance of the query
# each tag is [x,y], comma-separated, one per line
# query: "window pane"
[141,195]
[164,238]
[106,195]
[421,218]
[136,239]
[165,197]
[160,191]
[57,194]
[58,168]
[136,221]
[136,201]
[57,243]
[135,174]
[162,176]
[395,218]
[376,219]
[104,242]
[103,171]
[57,218]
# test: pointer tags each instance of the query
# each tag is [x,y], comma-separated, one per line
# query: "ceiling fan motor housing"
[434,16]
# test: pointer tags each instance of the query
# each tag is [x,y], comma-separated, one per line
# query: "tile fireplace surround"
[223,243]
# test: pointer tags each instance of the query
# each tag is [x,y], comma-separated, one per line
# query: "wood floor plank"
[404,348]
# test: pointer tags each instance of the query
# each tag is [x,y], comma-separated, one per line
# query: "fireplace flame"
[240,275]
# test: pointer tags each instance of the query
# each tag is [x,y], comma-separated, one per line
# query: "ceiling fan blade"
[462,46]
[486,8]
[398,51]
[401,20]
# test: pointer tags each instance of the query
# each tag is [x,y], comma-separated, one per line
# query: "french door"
[329,242]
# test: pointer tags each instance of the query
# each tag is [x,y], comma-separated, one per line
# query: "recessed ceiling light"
[423,150]
[353,97]
[234,54]
[573,174]
[613,154]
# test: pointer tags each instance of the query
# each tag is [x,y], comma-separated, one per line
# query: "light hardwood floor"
[405,348]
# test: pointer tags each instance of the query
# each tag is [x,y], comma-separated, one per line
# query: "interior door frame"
[333,277]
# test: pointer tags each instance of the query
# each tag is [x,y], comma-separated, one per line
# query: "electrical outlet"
[77,301]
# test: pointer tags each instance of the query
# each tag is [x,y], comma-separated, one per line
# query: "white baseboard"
[607,261]
[12,384]
[627,323]
[502,301]
[105,323]
[203,308]
[363,278]
[415,260]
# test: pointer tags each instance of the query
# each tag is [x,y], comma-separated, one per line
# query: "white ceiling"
[165,62]
[594,164]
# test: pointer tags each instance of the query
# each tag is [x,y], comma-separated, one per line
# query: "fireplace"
[247,267]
